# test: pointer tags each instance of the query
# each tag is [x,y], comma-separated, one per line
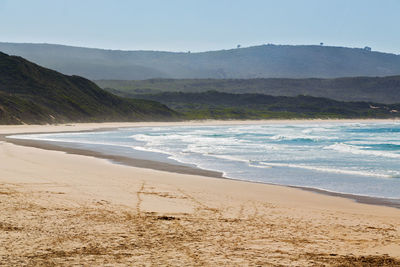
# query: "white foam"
[345,148]
[227,157]
[326,169]
[376,141]
[237,150]
[187,138]
[301,136]
[259,166]
[146,149]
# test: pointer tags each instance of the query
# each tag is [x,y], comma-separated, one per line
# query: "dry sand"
[66,209]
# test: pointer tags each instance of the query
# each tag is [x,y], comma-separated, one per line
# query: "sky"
[202,25]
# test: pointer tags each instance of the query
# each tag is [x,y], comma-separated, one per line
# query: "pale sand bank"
[59,208]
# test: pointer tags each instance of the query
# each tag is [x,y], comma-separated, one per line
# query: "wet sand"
[176,168]
[64,209]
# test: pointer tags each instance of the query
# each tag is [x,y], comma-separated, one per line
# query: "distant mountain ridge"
[265,61]
[33,94]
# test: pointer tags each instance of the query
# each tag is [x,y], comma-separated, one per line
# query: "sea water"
[353,158]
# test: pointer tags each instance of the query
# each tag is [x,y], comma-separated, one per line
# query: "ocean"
[343,157]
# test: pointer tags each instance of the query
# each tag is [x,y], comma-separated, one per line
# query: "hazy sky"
[199,25]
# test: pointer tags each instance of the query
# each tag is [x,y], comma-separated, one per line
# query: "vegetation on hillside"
[33,94]
[372,89]
[217,105]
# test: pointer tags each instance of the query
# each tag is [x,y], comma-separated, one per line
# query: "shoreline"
[182,169]
[139,163]
[61,208]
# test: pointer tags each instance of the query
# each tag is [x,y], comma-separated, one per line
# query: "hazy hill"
[33,94]
[373,89]
[263,61]
[219,105]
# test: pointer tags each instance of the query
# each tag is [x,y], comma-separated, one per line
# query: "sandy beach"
[60,208]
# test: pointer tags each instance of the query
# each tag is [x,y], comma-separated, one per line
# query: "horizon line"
[198,52]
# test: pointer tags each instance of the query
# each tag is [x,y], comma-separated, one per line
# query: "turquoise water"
[354,158]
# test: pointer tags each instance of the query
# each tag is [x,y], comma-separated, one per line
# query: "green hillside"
[372,89]
[33,94]
[219,105]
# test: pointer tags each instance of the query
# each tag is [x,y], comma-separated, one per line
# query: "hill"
[33,94]
[265,61]
[217,105]
[370,89]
